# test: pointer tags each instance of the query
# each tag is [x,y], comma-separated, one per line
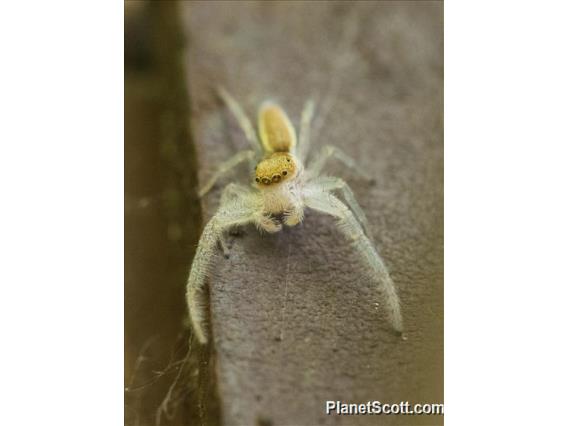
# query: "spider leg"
[230,192]
[327,203]
[294,216]
[238,207]
[224,168]
[224,246]
[315,167]
[201,265]
[304,142]
[242,119]
[330,183]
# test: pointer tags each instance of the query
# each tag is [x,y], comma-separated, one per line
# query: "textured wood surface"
[294,323]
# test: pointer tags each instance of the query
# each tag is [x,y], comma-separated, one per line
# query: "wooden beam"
[294,322]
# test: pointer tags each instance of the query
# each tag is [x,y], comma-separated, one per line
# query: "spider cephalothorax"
[281,191]
[277,167]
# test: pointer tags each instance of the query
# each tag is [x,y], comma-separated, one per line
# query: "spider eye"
[257,179]
[288,160]
[284,173]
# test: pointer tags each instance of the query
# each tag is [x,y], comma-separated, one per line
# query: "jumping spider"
[281,191]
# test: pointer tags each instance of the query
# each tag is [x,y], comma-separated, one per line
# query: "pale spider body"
[282,189]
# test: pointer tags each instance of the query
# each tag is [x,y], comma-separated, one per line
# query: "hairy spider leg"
[317,164]
[229,193]
[326,202]
[305,124]
[239,206]
[225,167]
[331,183]
[242,119]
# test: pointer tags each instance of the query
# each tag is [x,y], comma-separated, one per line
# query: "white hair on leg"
[330,183]
[199,272]
[326,202]
[235,211]
[226,167]
[242,119]
[328,151]
[304,143]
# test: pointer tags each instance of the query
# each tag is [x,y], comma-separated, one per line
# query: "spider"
[279,194]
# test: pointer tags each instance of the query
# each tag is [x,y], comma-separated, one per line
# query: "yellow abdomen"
[276,131]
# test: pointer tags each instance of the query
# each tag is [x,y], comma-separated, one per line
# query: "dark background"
[162,222]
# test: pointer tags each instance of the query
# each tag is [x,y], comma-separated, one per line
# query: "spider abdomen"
[276,132]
